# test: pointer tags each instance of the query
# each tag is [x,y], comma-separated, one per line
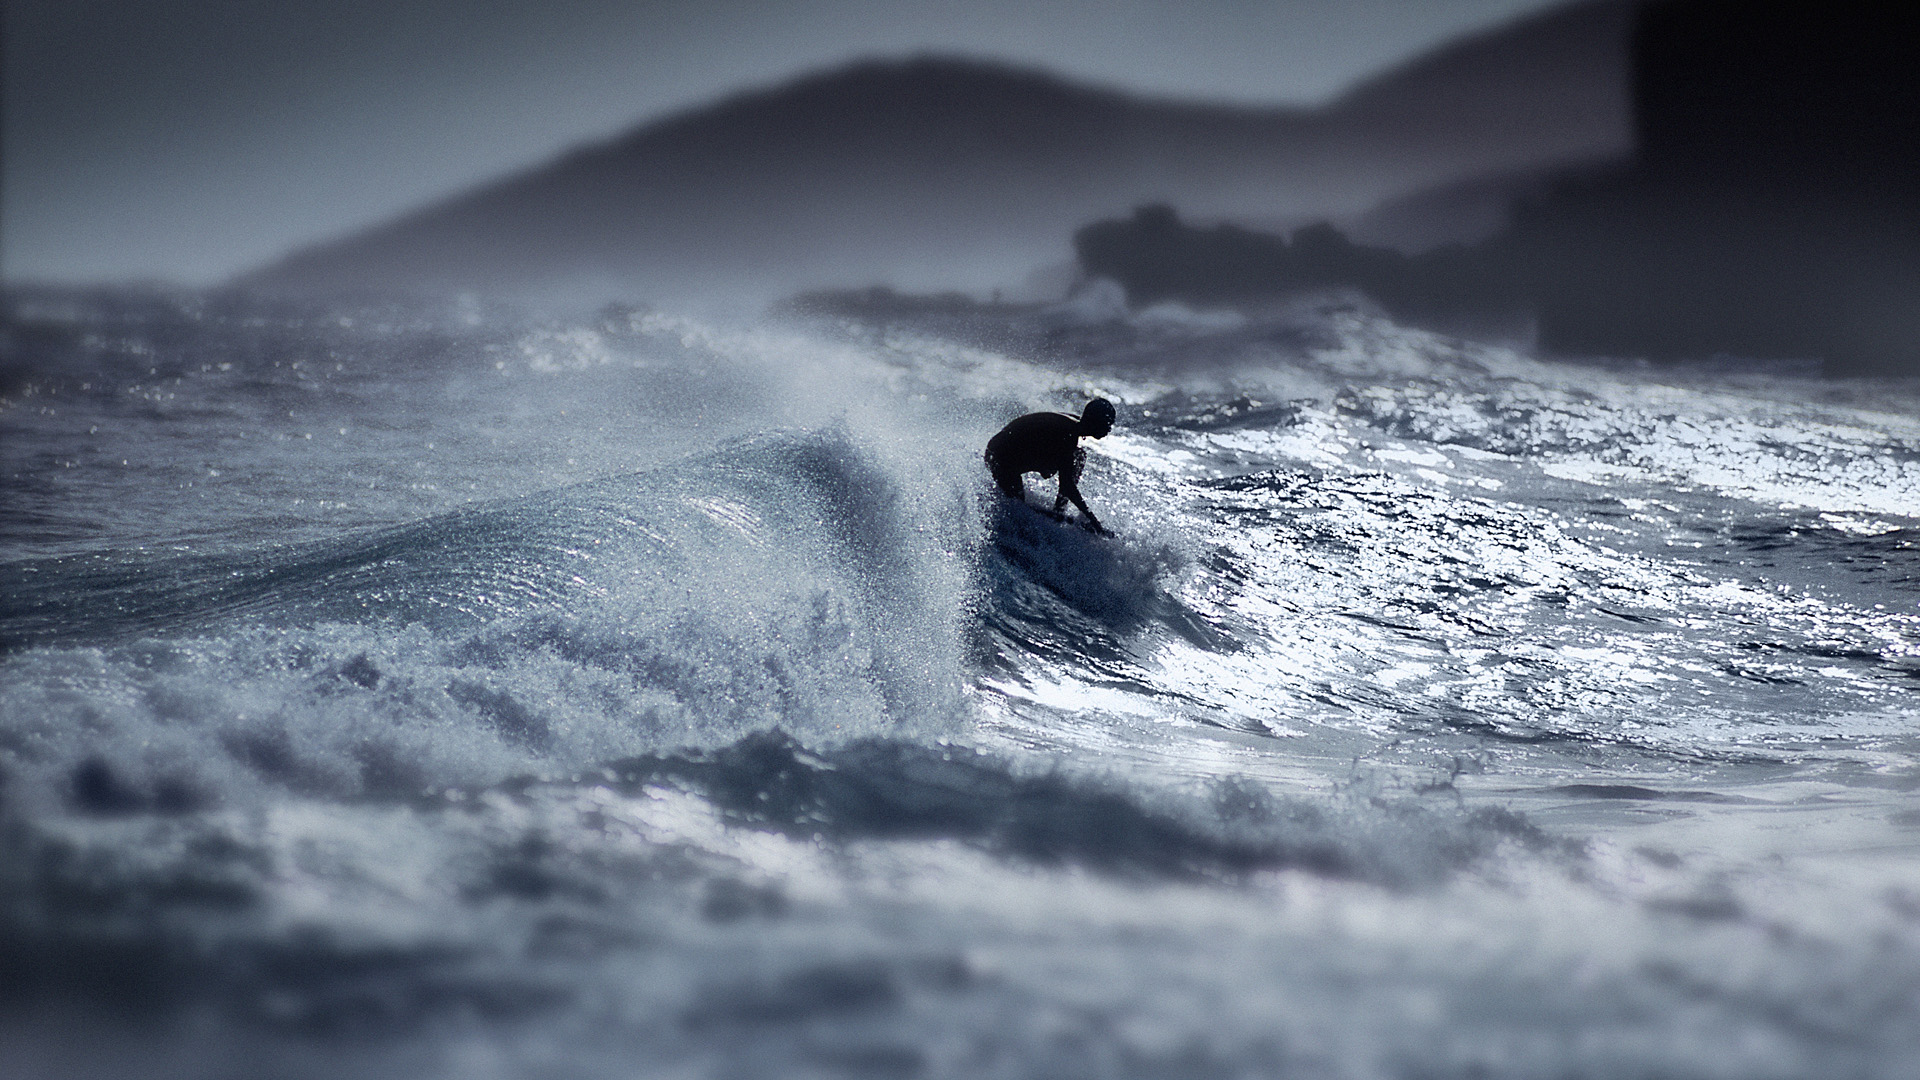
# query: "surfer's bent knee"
[1006,479]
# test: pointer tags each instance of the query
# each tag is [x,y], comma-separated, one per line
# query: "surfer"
[1048,443]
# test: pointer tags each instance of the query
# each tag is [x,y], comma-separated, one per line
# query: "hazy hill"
[936,172]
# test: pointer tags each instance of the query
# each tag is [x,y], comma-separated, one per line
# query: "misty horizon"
[193,148]
[933,174]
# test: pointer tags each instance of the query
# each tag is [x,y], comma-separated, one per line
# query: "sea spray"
[401,692]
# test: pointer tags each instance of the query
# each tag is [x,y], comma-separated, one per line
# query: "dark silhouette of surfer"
[1048,443]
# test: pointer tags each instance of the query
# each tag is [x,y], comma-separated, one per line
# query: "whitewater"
[453,690]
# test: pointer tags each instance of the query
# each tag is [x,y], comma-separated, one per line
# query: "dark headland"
[1772,210]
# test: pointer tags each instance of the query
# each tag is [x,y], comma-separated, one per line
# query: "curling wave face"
[773,582]
[420,692]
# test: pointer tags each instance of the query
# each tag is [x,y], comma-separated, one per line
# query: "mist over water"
[454,691]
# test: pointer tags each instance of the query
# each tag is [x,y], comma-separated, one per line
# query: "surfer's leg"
[1008,480]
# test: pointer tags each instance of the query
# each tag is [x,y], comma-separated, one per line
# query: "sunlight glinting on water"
[544,693]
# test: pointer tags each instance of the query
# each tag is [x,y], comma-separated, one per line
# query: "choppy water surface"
[460,693]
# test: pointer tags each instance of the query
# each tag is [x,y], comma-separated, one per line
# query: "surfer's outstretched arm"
[1070,483]
[1070,492]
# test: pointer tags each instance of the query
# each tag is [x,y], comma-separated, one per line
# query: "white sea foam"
[474,695]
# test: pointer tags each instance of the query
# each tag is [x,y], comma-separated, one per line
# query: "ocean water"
[455,691]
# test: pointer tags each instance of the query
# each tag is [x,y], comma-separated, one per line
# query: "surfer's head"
[1097,418]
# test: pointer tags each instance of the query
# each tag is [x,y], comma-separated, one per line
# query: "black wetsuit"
[1047,443]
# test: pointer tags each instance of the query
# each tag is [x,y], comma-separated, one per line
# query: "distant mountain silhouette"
[937,172]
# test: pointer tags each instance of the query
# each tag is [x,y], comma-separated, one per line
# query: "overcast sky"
[191,139]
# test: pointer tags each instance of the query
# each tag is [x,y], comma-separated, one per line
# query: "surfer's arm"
[1070,491]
